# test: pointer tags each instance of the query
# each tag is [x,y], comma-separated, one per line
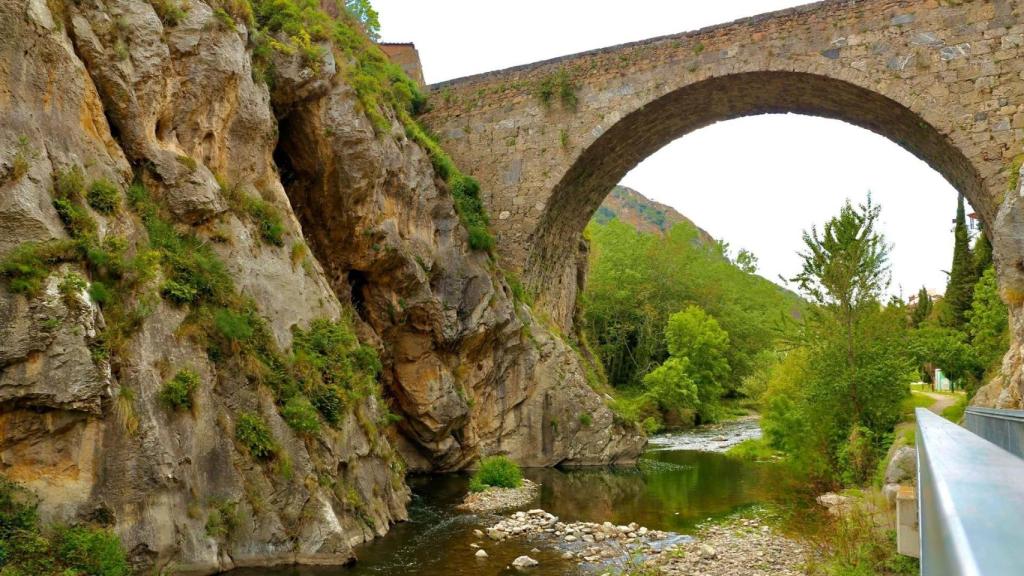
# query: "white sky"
[755,182]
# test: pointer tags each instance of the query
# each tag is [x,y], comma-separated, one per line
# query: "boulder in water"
[524,562]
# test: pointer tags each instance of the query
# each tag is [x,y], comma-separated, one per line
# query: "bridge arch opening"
[639,134]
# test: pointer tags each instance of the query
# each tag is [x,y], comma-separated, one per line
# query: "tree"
[852,370]
[636,281]
[945,348]
[982,255]
[746,261]
[988,321]
[671,386]
[962,275]
[922,308]
[846,265]
[845,269]
[694,335]
[367,17]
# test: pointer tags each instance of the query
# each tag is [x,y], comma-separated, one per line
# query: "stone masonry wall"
[943,79]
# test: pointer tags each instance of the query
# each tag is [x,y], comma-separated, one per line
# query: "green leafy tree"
[746,261]
[364,13]
[945,348]
[962,274]
[845,269]
[636,281]
[922,308]
[671,386]
[696,336]
[835,405]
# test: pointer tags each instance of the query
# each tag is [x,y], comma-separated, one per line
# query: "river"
[681,480]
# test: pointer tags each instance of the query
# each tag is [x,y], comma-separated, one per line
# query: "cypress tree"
[982,255]
[922,309]
[960,288]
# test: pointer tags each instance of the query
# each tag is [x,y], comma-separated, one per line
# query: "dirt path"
[942,401]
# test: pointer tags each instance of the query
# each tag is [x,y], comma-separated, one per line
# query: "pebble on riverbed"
[497,499]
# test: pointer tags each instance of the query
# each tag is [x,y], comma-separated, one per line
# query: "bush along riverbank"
[30,548]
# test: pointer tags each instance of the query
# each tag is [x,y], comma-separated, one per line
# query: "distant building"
[941,382]
[405,55]
[973,223]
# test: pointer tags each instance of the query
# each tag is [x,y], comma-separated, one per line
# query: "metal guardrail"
[1004,428]
[970,496]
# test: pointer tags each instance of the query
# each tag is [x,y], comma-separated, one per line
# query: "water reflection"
[669,490]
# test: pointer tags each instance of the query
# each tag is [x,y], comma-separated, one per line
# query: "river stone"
[524,562]
[903,466]
[481,553]
[837,505]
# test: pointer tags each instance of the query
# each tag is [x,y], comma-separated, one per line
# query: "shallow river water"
[674,487]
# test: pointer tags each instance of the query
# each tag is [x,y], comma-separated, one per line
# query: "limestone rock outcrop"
[108,88]
[473,371]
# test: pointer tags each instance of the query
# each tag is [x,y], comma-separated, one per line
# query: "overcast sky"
[755,182]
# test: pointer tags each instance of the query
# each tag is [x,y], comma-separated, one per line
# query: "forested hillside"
[638,280]
[633,208]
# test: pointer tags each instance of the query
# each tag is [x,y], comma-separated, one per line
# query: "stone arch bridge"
[548,141]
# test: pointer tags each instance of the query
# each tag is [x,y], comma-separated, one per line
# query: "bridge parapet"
[971,502]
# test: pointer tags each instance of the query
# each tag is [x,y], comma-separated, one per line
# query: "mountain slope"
[642,213]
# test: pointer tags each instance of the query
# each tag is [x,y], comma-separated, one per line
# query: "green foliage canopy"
[636,281]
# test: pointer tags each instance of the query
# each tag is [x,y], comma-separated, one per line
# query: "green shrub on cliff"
[300,414]
[27,266]
[102,196]
[29,549]
[256,436]
[266,217]
[177,392]
[333,367]
[496,471]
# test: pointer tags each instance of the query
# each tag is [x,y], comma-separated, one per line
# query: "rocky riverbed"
[741,546]
[591,544]
[744,546]
[497,499]
[711,438]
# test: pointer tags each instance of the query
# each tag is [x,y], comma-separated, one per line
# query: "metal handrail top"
[997,413]
[971,502]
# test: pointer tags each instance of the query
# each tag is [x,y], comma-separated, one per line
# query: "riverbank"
[745,545]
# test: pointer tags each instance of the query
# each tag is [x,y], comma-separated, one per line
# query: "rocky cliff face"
[117,92]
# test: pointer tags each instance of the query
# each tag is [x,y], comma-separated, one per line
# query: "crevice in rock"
[357,282]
